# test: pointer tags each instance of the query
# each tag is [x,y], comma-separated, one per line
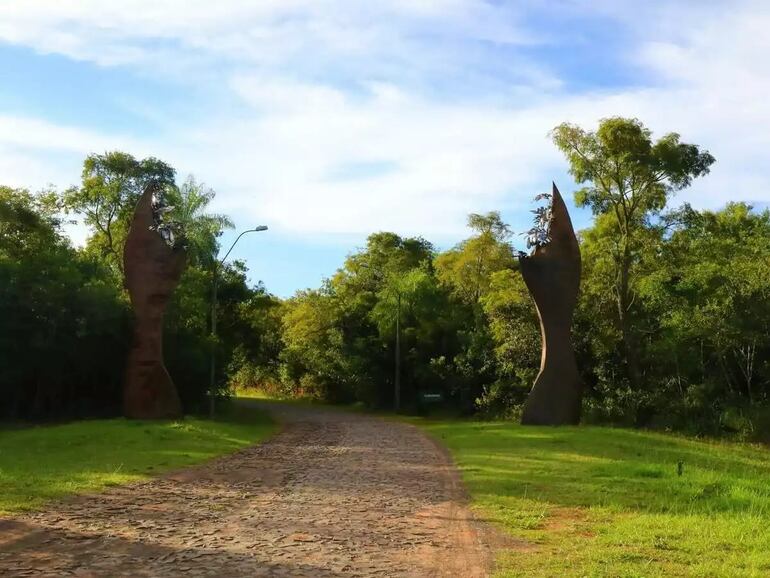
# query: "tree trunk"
[630,350]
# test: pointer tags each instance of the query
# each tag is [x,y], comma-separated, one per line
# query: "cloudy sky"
[331,119]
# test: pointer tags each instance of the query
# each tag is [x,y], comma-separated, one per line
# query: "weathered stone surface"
[552,275]
[152,272]
[333,494]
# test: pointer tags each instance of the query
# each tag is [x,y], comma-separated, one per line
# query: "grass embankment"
[252,393]
[244,393]
[592,501]
[38,464]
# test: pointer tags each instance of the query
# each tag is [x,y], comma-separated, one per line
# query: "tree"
[630,178]
[57,305]
[404,294]
[356,287]
[466,272]
[66,306]
[257,332]
[386,254]
[28,223]
[710,295]
[314,359]
[468,268]
[111,185]
[515,336]
[201,229]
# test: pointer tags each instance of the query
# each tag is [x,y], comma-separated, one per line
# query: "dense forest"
[672,328]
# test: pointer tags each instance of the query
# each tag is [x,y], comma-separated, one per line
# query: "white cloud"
[37,134]
[282,153]
[35,153]
[716,78]
[113,33]
[443,160]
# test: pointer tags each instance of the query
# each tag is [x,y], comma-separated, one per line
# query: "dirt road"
[333,494]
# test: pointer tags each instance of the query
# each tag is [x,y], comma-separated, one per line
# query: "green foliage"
[340,341]
[240,346]
[467,269]
[410,295]
[701,282]
[592,501]
[65,324]
[201,229]
[45,463]
[470,273]
[515,335]
[698,284]
[709,299]
[628,173]
[111,186]
[672,328]
[68,307]
[314,360]
[630,179]
[256,353]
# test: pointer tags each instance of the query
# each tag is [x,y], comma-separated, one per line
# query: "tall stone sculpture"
[153,262]
[552,275]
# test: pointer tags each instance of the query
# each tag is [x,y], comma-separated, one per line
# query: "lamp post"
[397,380]
[214,286]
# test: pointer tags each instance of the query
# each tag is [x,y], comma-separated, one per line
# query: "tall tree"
[515,339]
[468,267]
[629,177]
[712,298]
[201,229]
[57,305]
[111,185]
[407,301]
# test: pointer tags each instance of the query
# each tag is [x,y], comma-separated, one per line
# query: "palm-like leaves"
[201,229]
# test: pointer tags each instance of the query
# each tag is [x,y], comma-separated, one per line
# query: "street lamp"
[397,380]
[214,285]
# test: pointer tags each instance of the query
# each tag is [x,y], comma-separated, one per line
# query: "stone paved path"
[333,494]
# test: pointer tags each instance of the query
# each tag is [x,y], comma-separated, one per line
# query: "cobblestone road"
[332,494]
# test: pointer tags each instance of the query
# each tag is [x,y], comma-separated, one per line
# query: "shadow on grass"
[610,502]
[42,463]
[587,466]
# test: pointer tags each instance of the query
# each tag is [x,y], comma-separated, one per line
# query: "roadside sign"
[431,397]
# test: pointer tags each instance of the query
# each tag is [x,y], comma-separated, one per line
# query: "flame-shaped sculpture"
[552,275]
[152,271]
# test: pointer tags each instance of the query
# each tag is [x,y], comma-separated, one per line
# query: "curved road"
[332,494]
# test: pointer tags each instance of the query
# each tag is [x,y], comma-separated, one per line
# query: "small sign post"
[431,397]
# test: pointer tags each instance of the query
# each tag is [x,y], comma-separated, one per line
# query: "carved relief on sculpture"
[153,258]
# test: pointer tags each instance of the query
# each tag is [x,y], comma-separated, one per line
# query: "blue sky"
[331,119]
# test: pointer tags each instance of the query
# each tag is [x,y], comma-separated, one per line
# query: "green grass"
[39,464]
[592,501]
[252,393]
[246,393]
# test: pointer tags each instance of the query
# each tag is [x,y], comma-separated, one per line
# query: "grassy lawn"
[43,463]
[595,501]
